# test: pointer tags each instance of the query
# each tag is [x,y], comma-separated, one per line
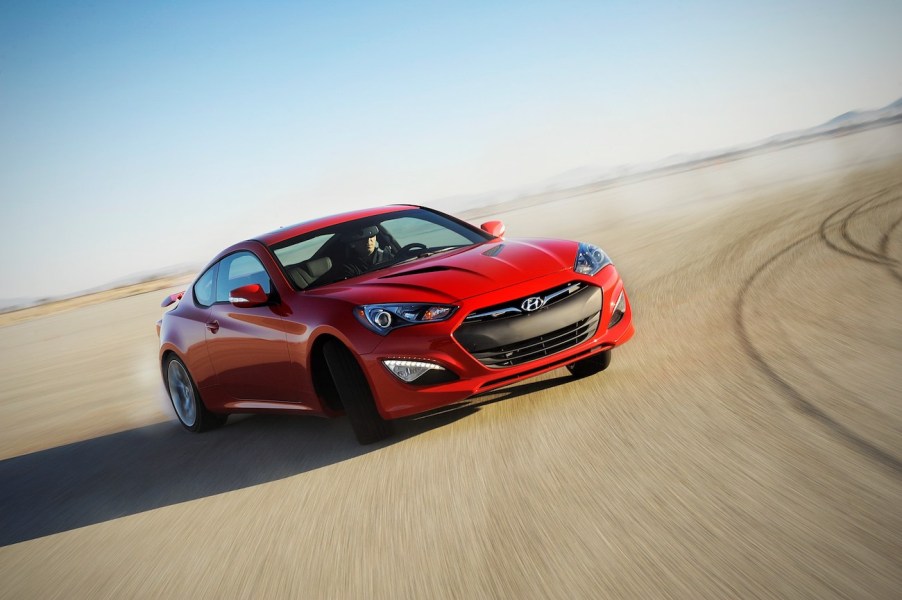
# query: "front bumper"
[496,355]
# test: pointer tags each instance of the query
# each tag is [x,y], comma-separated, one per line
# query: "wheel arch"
[321,378]
[165,355]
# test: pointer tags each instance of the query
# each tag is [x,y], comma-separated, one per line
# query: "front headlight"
[590,259]
[383,318]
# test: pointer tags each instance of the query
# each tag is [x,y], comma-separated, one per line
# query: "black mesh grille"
[540,346]
[506,335]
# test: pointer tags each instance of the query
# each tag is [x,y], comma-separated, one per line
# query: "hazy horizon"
[136,137]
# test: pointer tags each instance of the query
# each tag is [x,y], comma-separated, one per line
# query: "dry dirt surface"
[747,443]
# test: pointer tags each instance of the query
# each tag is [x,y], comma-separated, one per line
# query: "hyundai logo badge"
[532,304]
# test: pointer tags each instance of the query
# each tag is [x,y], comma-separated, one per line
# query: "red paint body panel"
[249,353]
[261,359]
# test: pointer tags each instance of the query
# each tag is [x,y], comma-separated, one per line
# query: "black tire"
[186,401]
[355,394]
[591,365]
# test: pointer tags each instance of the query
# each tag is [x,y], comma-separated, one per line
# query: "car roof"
[284,233]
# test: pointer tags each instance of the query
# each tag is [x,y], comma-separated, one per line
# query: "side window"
[203,289]
[239,269]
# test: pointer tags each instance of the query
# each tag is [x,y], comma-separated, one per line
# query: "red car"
[384,313]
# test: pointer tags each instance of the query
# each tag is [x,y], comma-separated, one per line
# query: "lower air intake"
[539,347]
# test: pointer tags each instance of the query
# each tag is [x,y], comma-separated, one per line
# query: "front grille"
[540,346]
[506,335]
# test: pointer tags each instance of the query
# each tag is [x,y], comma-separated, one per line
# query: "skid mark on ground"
[834,232]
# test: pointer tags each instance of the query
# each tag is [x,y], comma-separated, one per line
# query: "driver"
[363,251]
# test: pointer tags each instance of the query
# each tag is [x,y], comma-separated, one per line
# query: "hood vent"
[416,272]
[494,250]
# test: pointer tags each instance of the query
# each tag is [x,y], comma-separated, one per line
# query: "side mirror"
[248,296]
[171,299]
[493,228]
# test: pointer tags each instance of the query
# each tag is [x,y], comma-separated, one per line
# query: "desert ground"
[747,443]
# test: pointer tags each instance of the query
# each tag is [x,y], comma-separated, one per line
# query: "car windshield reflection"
[363,246]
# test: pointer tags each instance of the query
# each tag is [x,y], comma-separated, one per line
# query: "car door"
[248,346]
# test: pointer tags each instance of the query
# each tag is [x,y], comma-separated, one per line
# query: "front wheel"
[591,365]
[189,408]
[355,394]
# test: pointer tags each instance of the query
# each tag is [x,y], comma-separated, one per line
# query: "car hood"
[458,274]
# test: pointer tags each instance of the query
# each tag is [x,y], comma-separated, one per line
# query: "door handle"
[213,326]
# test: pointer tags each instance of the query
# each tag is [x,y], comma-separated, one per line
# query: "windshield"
[357,247]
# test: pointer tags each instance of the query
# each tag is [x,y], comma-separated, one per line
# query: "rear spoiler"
[172,299]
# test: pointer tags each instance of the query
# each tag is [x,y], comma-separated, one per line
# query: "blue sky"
[134,136]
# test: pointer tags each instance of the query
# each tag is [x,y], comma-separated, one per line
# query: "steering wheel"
[409,249]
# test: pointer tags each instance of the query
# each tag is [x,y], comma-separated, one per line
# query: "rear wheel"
[189,408]
[355,394]
[591,365]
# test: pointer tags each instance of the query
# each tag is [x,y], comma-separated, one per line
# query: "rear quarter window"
[237,270]
[204,289]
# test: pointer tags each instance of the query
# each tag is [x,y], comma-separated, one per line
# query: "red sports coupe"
[384,313]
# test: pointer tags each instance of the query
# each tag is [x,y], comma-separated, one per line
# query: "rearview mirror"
[248,296]
[493,228]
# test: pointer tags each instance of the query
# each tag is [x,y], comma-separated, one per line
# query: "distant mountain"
[595,175]
[12,304]
[857,117]
[848,121]
[16,303]
[844,118]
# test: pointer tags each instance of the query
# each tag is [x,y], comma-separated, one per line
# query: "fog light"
[619,310]
[410,370]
